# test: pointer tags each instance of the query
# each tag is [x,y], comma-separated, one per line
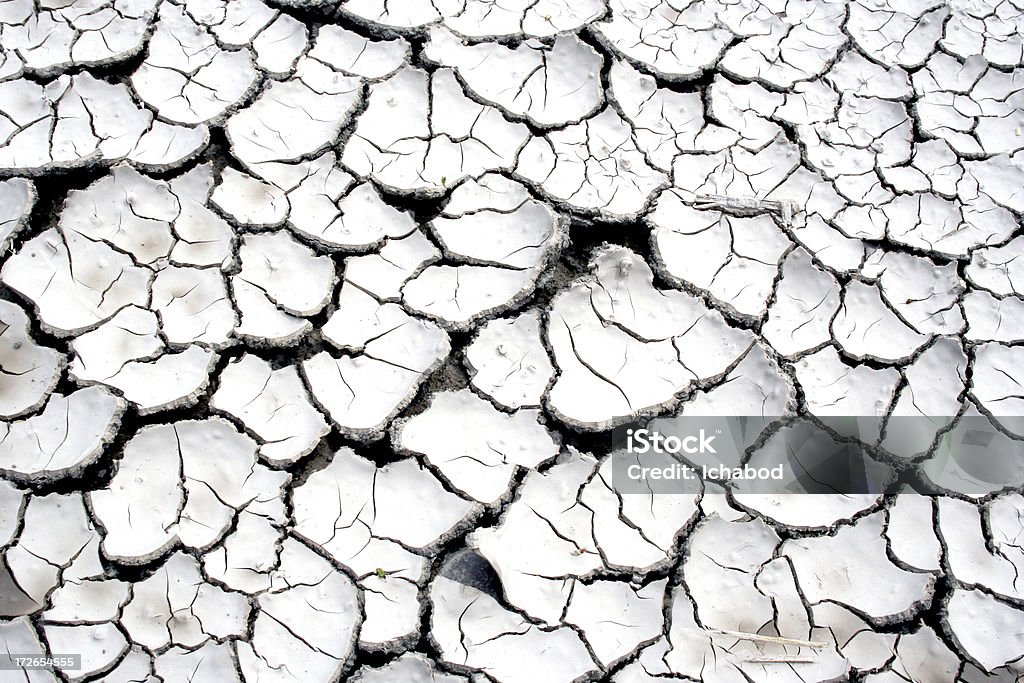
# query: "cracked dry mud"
[316,315]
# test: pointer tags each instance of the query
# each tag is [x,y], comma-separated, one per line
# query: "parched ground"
[316,318]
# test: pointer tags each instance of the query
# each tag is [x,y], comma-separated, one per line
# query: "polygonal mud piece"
[806,299]
[127,353]
[129,211]
[783,49]
[74,282]
[175,606]
[672,42]
[637,532]
[17,197]
[988,125]
[756,389]
[357,513]
[235,22]
[665,122]
[385,273]
[943,169]
[186,77]
[924,294]
[994,463]
[996,268]
[355,54]
[168,491]
[68,435]
[410,667]
[274,405]
[211,663]
[548,84]
[204,238]
[131,335]
[577,524]
[866,328]
[306,624]
[289,273]
[829,246]
[995,384]
[897,32]
[87,601]
[737,566]
[744,108]
[865,134]
[261,322]
[744,182]
[909,515]
[833,388]
[75,119]
[531,18]
[28,372]
[508,238]
[55,533]
[58,37]
[950,228]
[747,391]
[279,45]
[857,553]
[962,526]
[987,631]
[923,655]
[613,334]
[194,307]
[813,462]
[19,636]
[1000,178]
[855,640]
[494,221]
[472,630]
[352,497]
[250,552]
[421,134]
[135,666]
[249,201]
[594,166]
[393,611]
[457,296]
[991,35]
[991,318]
[809,102]
[928,400]
[267,129]
[481,457]
[101,646]
[615,617]
[327,205]
[404,14]
[508,362]
[388,355]
[734,259]
[743,601]
[697,652]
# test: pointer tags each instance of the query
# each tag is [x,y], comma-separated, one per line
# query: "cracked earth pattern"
[315,316]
